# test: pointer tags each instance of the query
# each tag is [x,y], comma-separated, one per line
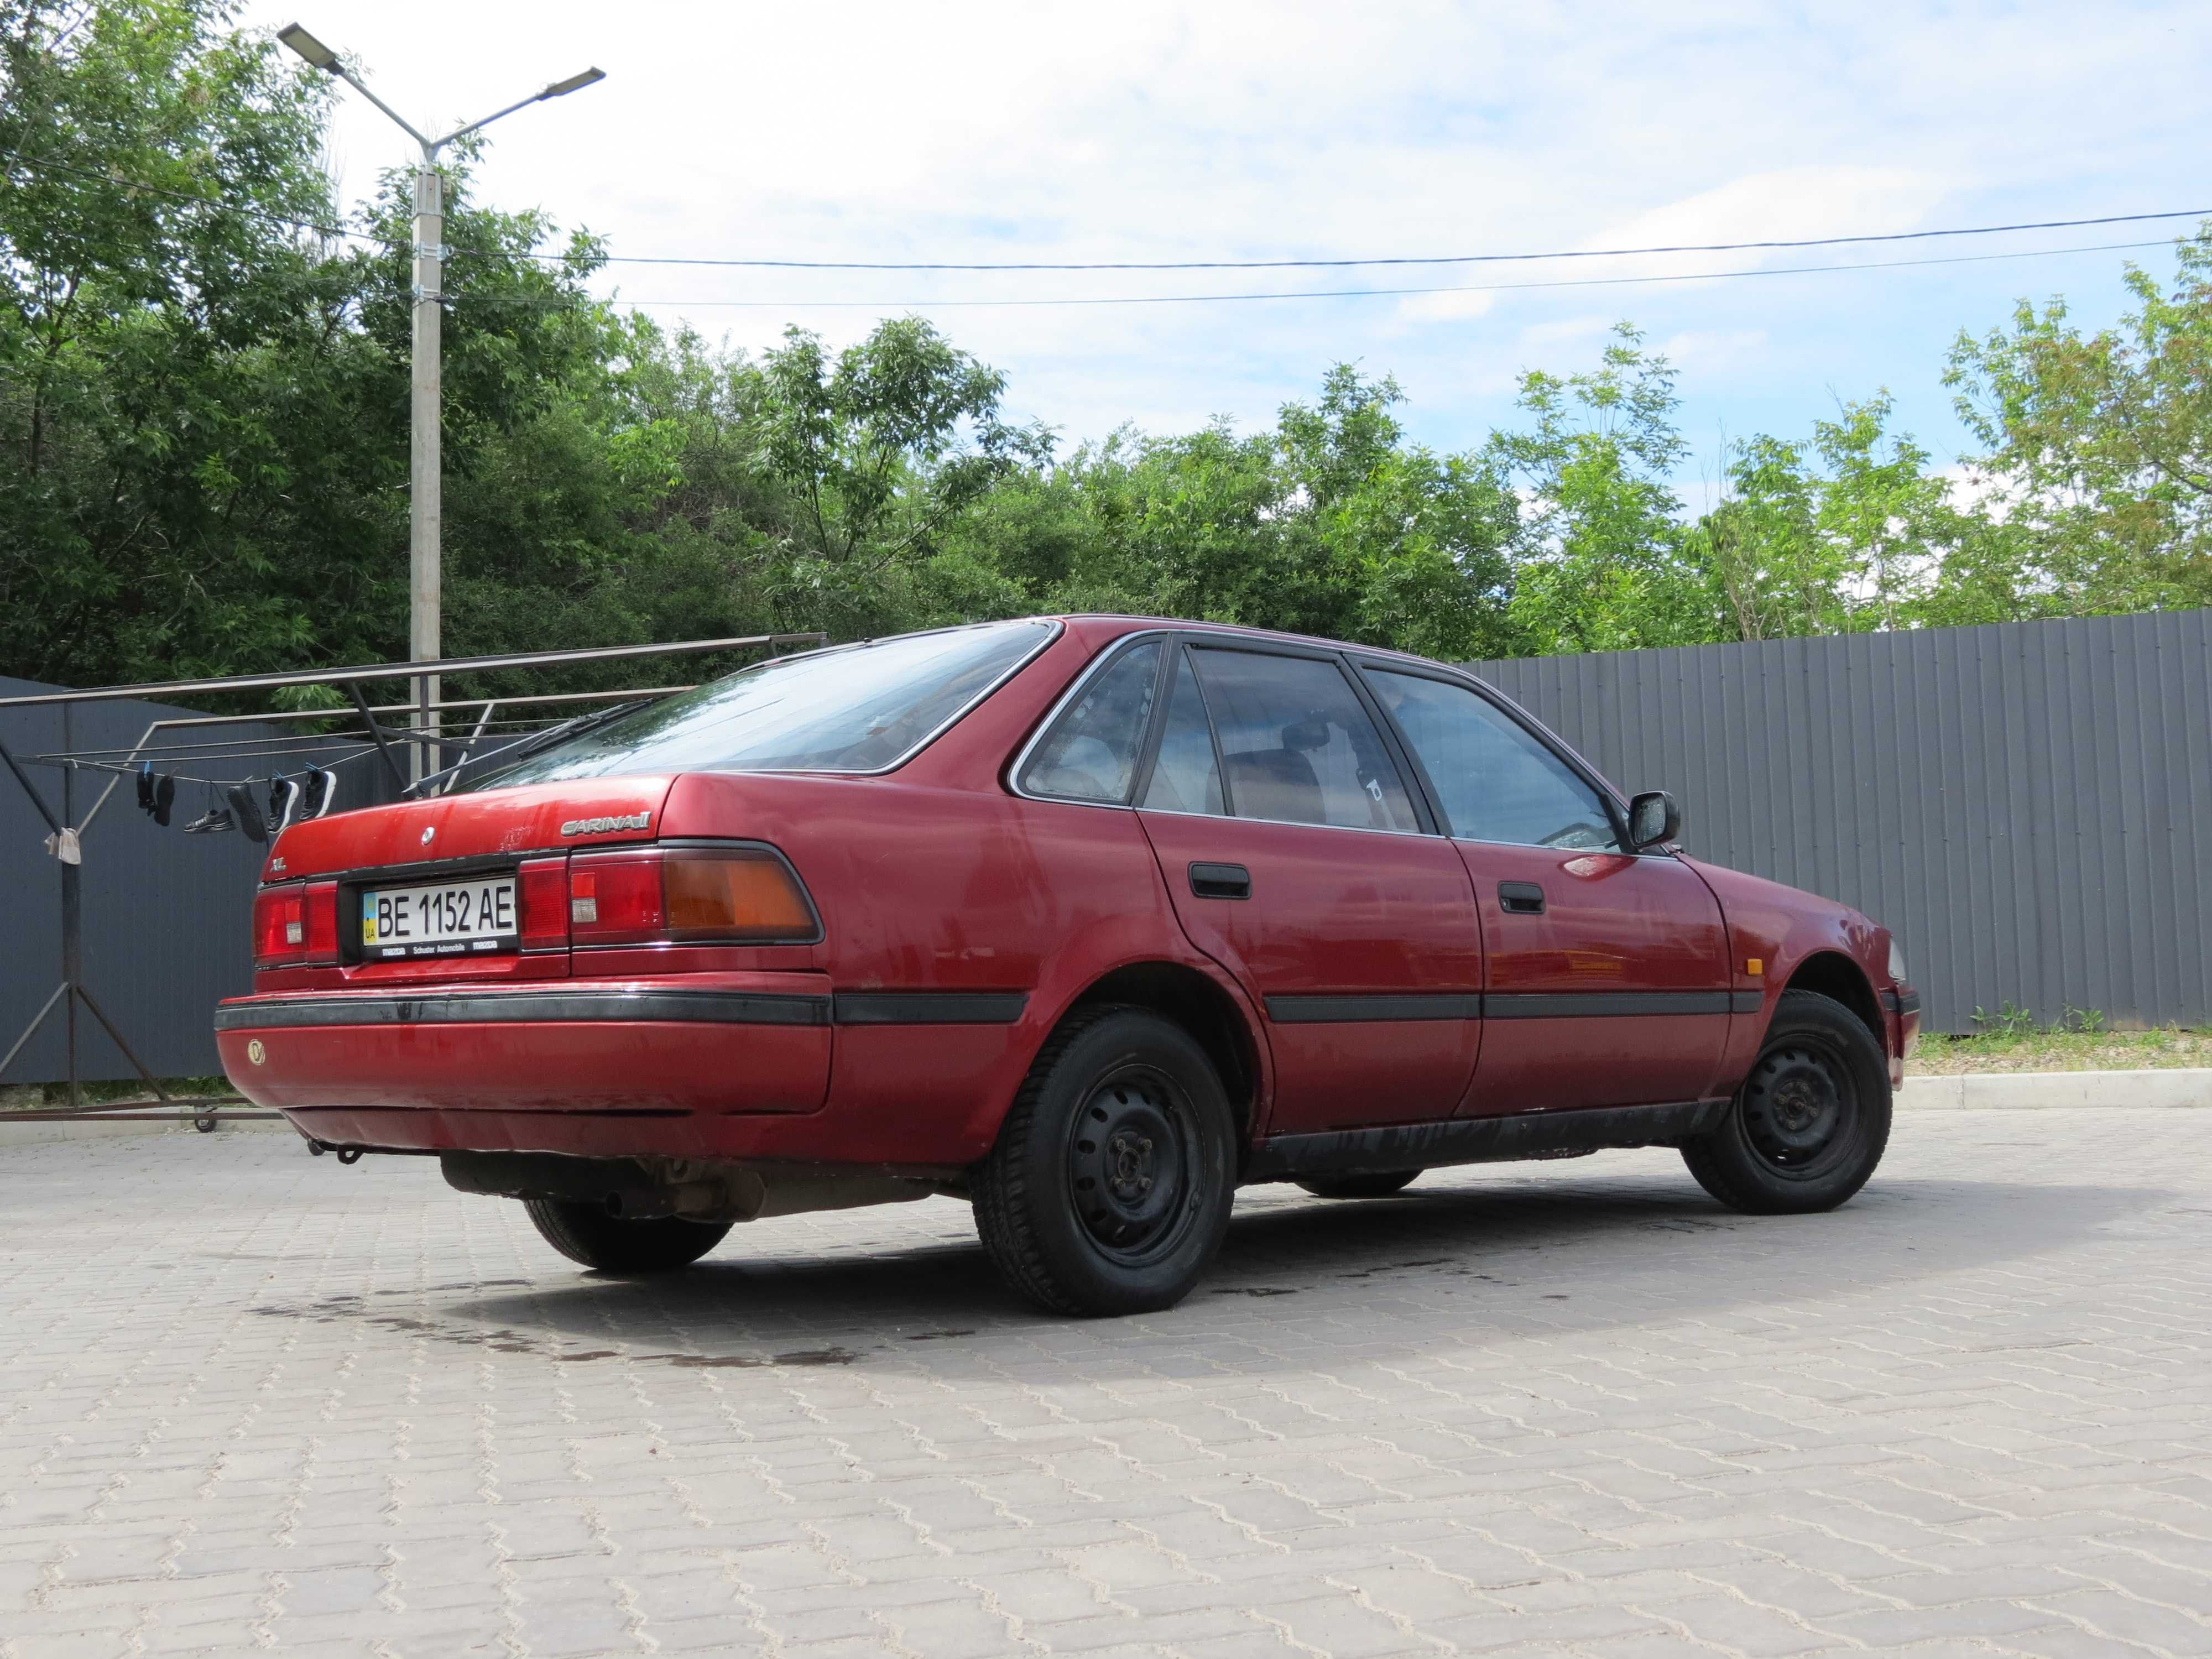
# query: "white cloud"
[1790,204]
[1256,129]
[1709,351]
[1445,307]
[1561,330]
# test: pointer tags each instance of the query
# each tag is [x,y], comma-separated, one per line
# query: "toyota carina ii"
[1086,921]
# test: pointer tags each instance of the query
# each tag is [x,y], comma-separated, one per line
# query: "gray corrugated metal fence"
[2027,806]
[167,915]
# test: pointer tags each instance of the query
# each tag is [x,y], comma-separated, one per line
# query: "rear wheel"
[1110,1187]
[1359,1186]
[587,1234]
[1810,1123]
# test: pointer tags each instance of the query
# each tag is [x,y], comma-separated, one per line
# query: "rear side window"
[1297,743]
[1186,778]
[857,709]
[1494,780]
[1090,753]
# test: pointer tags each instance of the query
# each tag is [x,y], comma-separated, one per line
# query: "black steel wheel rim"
[1133,1161]
[1801,1108]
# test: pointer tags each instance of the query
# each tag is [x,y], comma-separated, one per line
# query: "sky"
[1142,131]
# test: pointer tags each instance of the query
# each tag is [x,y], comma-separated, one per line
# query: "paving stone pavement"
[253,1400]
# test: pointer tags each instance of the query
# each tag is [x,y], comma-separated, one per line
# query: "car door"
[1298,858]
[1607,979]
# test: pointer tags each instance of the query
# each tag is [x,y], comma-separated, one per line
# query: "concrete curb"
[46,1131]
[1983,1091]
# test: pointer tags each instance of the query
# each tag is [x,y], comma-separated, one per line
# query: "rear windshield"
[857,708]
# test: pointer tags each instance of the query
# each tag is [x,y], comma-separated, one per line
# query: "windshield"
[857,708]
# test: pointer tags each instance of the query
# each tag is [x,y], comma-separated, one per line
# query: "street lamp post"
[425,571]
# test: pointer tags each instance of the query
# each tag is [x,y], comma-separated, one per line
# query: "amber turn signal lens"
[738,895]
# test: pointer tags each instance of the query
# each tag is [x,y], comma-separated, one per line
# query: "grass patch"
[30,1097]
[2012,1040]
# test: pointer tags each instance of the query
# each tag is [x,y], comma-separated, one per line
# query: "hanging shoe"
[165,797]
[146,789]
[212,822]
[246,811]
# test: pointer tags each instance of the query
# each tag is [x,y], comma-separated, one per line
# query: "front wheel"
[1110,1187]
[587,1234]
[1810,1123]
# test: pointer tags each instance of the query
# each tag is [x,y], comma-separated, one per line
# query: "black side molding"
[1479,1139]
[1600,1005]
[929,1007]
[1909,1003]
[1505,1005]
[1331,1011]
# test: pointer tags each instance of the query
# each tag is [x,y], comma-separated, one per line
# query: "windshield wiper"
[535,742]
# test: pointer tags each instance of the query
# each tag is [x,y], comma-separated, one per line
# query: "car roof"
[1102,626]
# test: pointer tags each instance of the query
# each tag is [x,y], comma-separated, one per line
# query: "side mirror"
[1653,817]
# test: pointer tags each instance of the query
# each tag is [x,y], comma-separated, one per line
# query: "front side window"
[1493,778]
[1297,743]
[857,708]
[1090,753]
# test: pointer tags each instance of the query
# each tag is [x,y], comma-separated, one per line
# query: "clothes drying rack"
[187,746]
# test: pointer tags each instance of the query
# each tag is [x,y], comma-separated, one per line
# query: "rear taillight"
[543,888]
[296,924]
[728,896]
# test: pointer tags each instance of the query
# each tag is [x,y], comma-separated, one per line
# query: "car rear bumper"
[614,1069]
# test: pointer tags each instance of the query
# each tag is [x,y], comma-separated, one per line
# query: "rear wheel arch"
[1835,976]
[1186,997]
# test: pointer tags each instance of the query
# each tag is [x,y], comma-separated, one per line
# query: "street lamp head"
[573,83]
[308,47]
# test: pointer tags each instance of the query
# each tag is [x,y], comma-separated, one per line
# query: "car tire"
[1809,1124]
[586,1233]
[1360,1186]
[1108,1189]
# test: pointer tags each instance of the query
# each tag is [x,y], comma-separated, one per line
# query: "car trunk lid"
[488,826]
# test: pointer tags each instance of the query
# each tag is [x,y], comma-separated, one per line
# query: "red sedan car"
[1086,919]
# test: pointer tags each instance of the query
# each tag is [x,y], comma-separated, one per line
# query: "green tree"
[1331,524]
[1886,521]
[1761,547]
[882,449]
[204,403]
[1601,560]
[155,321]
[2098,448]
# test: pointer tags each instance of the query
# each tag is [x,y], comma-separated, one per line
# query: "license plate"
[439,919]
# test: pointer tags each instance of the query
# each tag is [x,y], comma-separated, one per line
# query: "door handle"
[1221,881]
[1520,898]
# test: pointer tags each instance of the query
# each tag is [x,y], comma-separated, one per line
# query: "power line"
[1193,264]
[1382,292]
[1423,259]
